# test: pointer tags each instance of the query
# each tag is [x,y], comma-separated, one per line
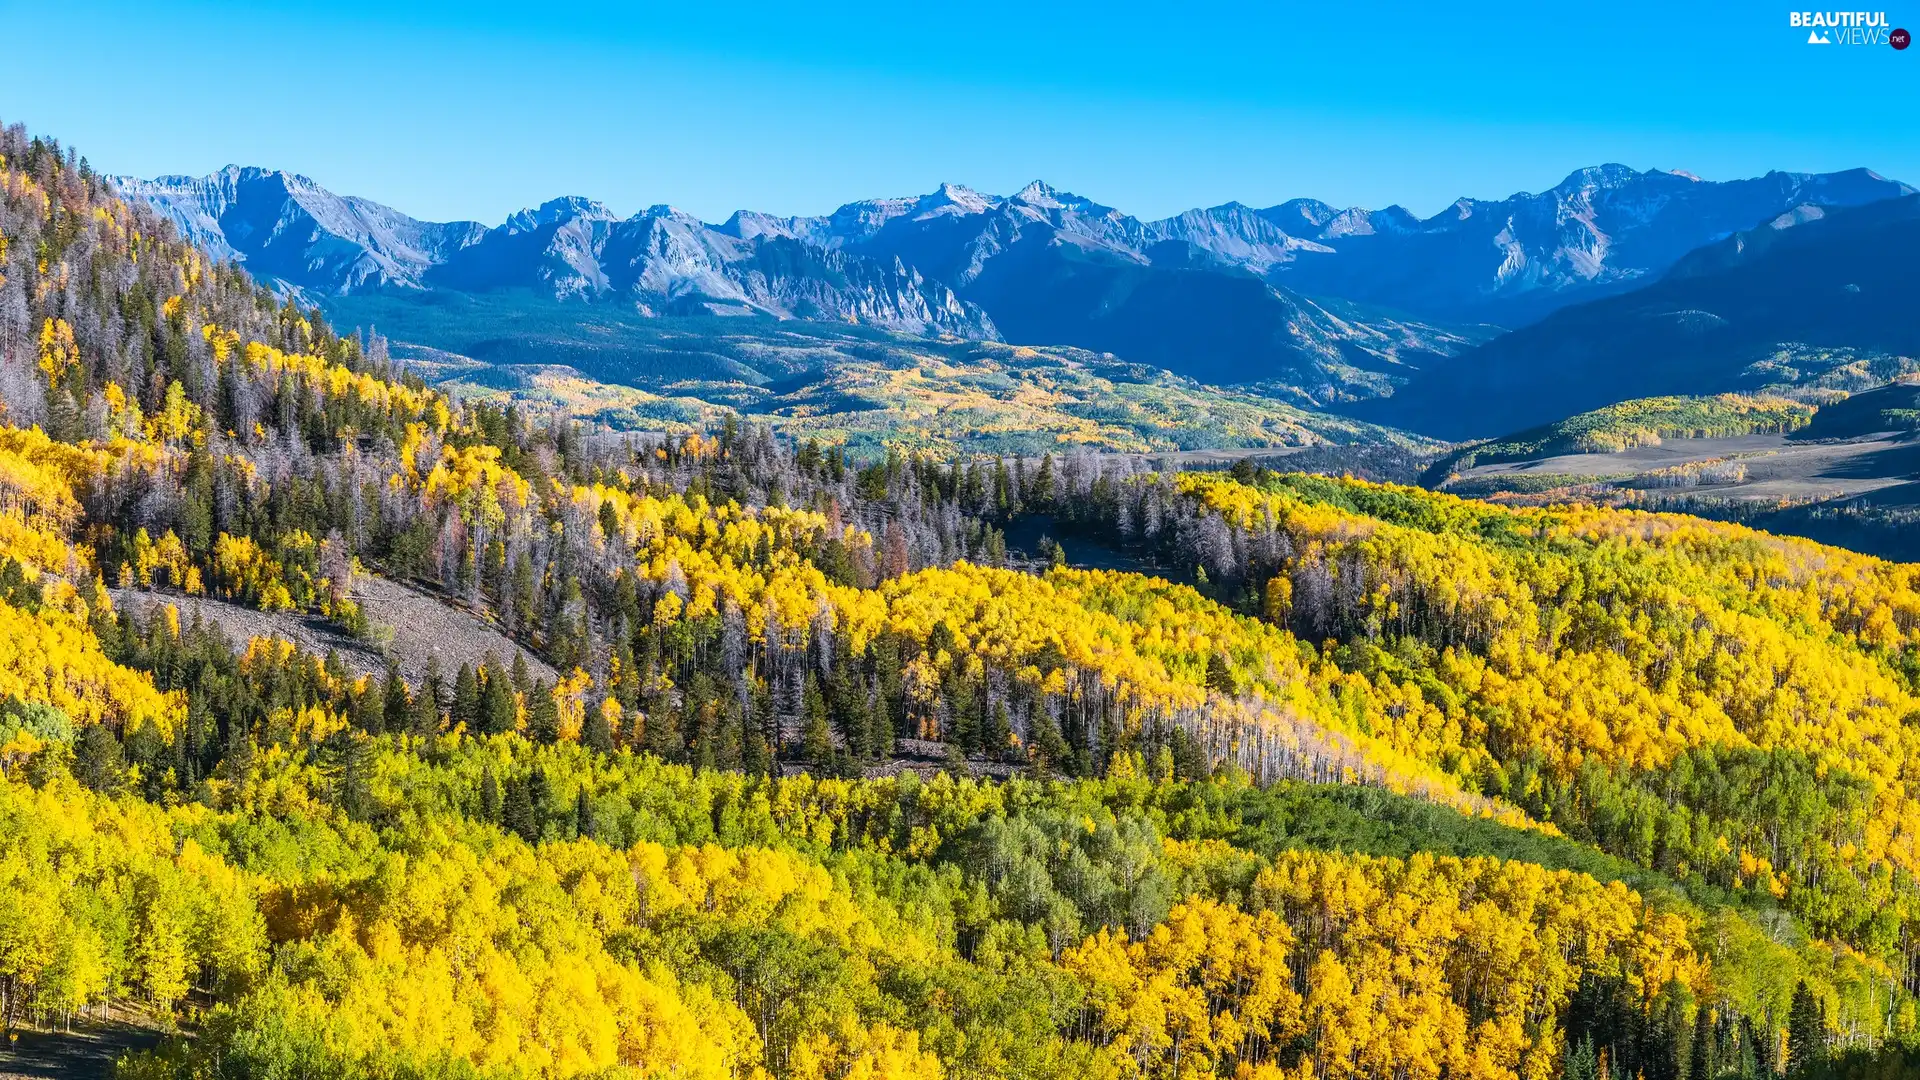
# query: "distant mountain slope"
[1601,230]
[1894,407]
[292,233]
[1058,268]
[1815,298]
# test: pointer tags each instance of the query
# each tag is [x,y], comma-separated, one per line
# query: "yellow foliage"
[1630,637]
[1394,952]
[58,352]
[53,657]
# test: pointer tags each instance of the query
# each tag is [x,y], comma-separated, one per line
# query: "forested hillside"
[1401,786]
[1722,705]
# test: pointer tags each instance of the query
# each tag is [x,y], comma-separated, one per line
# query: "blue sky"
[474,110]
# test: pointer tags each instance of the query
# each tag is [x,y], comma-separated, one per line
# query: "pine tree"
[955,762]
[395,705]
[999,731]
[1582,1062]
[97,759]
[423,721]
[848,705]
[1045,747]
[662,734]
[517,810]
[540,794]
[596,733]
[526,599]
[889,711]
[1190,760]
[489,797]
[1664,1050]
[236,767]
[1806,1030]
[1220,676]
[431,701]
[1700,1062]
[728,748]
[1760,1045]
[763,729]
[498,713]
[543,715]
[816,738]
[584,824]
[1041,495]
[355,795]
[567,638]
[757,728]
[963,705]
[465,707]
[186,749]
[145,751]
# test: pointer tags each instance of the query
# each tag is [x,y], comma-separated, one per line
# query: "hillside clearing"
[423,627]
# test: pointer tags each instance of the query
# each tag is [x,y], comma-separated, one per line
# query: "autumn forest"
[789,764]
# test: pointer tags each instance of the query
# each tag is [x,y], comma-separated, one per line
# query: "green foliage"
[42,721]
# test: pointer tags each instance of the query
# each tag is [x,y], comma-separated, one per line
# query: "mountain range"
[1324,307]
[303,239]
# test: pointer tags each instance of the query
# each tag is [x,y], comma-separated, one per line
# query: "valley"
[947,397]
[1844,472]
[1758,468]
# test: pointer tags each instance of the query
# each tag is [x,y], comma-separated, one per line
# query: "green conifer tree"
[585,825]
[355,796]
[489,797]
[543,715]
[396,705]
[517,810]
[498,712]
[1047,750]
[522,678]
[465,707]
[816,738]
[1806,1031]
[98,759]
[595,733]
[1583,1063]
[1700,1060]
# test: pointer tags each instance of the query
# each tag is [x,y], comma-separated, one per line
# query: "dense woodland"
[1400,786]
